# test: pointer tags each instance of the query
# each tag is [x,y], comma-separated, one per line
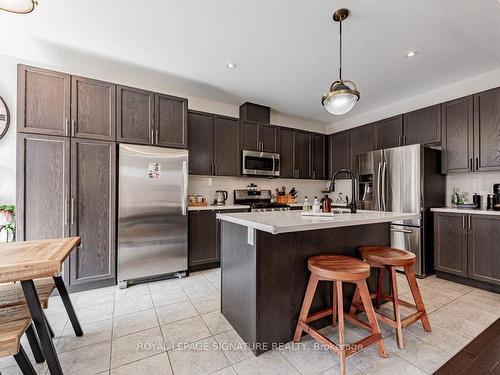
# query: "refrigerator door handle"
[379,207]
[383,185]
[184,188]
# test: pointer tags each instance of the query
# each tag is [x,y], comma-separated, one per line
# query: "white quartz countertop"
[292,221]
[221,207]
[463,211]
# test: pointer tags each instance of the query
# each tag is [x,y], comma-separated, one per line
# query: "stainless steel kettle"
[220,197]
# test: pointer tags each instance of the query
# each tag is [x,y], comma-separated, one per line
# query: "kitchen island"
[264,266]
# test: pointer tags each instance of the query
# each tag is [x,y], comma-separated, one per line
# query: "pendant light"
[18,6]
[342,97]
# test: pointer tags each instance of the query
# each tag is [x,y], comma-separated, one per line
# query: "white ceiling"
[286,51]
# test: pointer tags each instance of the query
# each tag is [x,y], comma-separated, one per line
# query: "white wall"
[477,182]
[118,73]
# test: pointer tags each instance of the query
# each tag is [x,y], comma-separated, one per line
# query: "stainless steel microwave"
[256,163]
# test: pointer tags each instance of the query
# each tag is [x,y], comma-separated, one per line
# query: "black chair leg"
[24,363]
[61,287]
[34,344]
[51,331]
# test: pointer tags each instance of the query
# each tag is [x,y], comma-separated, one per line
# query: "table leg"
[48,349]
[61,287]
[34,344]
[24,363]
[51,331]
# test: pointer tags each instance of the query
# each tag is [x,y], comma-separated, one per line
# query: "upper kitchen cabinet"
[457,135]
[339,152]
[135,115]
[92,109]
[422,126]
[361,142]
[259,137]
[388,133]
[170,121]
[201,143]
[302,154]
[43,101]
[487,130]
[318,145]
[226,150]
[287,139]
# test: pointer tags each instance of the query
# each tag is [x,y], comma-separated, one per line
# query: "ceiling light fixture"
[230,65]
[341,98]
[411,54]
[18,6]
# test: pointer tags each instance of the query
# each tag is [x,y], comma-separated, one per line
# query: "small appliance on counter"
[220,197]
[496,191]
[259,200]
[491,201]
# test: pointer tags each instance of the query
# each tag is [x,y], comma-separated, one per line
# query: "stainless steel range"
[259,200]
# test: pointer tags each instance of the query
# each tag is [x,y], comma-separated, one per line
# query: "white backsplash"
[209,185]
[477,182]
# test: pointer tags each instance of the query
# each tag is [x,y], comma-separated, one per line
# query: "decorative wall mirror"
[4,118]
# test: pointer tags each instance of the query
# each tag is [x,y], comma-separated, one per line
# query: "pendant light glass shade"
[18,6]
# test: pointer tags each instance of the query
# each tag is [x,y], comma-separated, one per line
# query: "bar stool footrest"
[319,314]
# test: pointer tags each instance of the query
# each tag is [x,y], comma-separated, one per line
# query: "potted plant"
[7,223]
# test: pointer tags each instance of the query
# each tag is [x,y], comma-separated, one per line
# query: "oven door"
[256,163]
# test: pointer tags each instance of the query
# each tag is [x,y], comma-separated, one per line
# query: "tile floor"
[174,327]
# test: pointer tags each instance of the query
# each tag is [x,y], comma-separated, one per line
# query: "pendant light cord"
[340,55]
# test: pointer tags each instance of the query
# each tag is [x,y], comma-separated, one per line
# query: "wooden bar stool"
[389,258]
[339,269]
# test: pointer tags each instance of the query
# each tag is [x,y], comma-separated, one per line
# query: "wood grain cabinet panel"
[422,126]
[339,152]
[135,115]
[93,211]
[318,145]
[287,168]
[202,238]
[483,248]
[226,149]
[43,177]
[457,128]
[450,243]
[43,101]
[487,130]
[302,154]
[361,142]
[249,135]
[201,143]
[92,109]
[269,138]
[171,121]
[388,133]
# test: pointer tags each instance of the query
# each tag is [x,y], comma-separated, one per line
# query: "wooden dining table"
[25,261]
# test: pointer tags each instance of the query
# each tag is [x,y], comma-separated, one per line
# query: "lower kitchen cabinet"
[467,246]
[203,239]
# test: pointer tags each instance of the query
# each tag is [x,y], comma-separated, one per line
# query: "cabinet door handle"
[463,221]
[405,139]
[477,164]
[65,212]
[152,136]
[72,211]
[314,174]
[216,168]
[157,139]
[73,122]
[471,165]
[469,222]
[66,126]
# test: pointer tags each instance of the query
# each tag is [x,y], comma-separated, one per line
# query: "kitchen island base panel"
[263,284]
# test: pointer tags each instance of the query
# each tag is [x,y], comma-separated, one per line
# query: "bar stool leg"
[415,291]
[355,299]
[335,302]
[340,311]
[395,304]
[379,288]
[306,305]
[370,314]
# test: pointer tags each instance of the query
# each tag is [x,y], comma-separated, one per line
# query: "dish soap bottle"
[316,207]
[455,199]
[306,207]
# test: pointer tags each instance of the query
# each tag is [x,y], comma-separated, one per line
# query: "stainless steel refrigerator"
[152,212]
[404,179]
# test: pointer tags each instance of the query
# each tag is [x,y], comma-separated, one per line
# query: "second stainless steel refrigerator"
[404,179]
[153,224]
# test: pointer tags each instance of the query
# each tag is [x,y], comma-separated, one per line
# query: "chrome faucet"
[352,204]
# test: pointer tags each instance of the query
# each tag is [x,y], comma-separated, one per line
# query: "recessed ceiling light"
[411,54]
[230,65]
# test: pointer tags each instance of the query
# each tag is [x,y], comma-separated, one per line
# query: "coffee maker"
[496,191]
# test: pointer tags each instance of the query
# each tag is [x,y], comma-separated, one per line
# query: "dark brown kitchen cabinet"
[213,144]
[202,238]
[201,143]
[135,115]
[361,142]
[302,153]
[457,135]
[226,150]
[388,133]
[450,243]
[318,146]
[43,101]
[287,139]
[92,109]
[487,130]
[422,126]
[259,137]
[93,212]
[170,121]
[339,152]
[43,184]
[483,250]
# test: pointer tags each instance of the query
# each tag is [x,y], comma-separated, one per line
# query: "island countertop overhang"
[292,221]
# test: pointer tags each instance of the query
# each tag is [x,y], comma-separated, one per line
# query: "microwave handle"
[274,163]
